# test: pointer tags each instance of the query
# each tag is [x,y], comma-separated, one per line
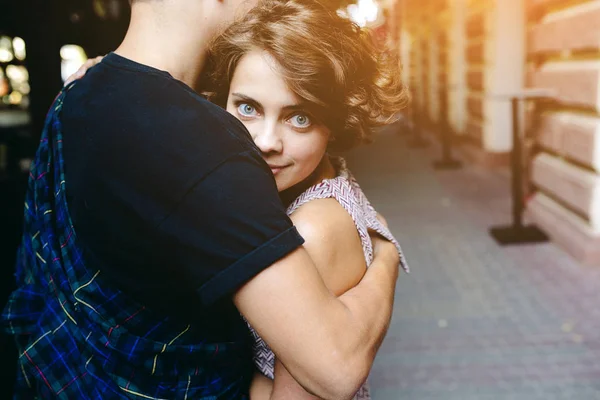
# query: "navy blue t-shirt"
[168,194]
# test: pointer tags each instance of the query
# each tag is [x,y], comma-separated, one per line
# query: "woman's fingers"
[83,69]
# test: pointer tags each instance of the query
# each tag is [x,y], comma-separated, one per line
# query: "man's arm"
[326,343]
[232,222]
[334,244]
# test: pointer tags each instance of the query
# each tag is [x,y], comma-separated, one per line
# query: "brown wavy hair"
[326,60]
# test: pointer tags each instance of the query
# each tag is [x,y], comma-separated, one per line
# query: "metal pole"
[517,233]
[447,162]
[516,167]
[417,140]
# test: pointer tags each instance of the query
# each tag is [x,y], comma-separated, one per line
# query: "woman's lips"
[275,169]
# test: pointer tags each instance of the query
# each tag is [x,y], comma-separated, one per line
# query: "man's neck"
[167,46]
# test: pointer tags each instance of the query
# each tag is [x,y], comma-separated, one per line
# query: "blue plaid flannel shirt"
[80,338]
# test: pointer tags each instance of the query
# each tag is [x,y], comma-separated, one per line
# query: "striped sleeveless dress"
[348,193]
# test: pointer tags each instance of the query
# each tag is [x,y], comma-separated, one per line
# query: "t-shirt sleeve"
[230,226]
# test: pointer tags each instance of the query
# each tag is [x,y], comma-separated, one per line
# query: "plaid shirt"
[80,338]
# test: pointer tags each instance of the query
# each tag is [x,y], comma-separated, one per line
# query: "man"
[152,222]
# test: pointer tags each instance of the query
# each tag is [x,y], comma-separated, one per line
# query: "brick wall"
[562,49]
[563,45]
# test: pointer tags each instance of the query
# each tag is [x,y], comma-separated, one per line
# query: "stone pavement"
[473,320]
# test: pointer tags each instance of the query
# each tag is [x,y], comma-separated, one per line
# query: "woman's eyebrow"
[296,107]
[245,98]
[302,106]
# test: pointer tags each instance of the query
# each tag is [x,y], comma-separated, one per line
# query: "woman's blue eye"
[300,121]
[246,109]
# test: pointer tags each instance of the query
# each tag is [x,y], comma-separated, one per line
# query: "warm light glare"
[4,88]
[6,54]
[25,88]
[72,52]
[369,8]
[343,13]
[17,73]
[18,76]
[363,12]
[19,48]
[73,57]
[15,98]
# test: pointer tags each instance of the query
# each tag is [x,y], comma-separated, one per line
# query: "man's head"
[208,16]
[174,35]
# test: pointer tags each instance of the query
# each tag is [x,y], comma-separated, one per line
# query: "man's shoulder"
[139,108]
[144,132]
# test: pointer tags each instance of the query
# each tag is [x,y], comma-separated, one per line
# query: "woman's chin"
[287,184]
[282,186]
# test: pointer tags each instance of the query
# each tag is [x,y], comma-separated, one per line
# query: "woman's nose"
[268,139]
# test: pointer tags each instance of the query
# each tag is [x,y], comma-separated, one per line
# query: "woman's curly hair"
[326,60]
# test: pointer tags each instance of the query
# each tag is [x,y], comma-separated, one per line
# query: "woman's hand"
[83,69]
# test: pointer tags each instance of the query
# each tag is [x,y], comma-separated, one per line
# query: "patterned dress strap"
[340,189]
[346,190]
[374,224]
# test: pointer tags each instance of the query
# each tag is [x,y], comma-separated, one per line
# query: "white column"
[457,95]
[416,80]
[505,70]
[405,45]
[433,74]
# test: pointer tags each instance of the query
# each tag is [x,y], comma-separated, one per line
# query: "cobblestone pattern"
[475,321]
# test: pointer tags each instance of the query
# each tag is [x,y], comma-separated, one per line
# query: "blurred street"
[473,320]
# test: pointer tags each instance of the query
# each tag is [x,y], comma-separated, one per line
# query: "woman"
[307,82]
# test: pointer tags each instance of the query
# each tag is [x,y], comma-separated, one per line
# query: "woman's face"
[292,142]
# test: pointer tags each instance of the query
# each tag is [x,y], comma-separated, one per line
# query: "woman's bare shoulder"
[332,241]
[323,218]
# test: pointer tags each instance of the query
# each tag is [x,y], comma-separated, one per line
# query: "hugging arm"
[324,345]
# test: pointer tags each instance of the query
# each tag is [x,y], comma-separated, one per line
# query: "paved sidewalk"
[475,321]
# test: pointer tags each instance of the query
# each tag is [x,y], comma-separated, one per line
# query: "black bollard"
[417,141]
[517,233]
[446,162]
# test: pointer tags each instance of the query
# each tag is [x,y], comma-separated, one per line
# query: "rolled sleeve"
[229,227]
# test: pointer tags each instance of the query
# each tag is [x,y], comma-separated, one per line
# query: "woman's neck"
[325,170]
